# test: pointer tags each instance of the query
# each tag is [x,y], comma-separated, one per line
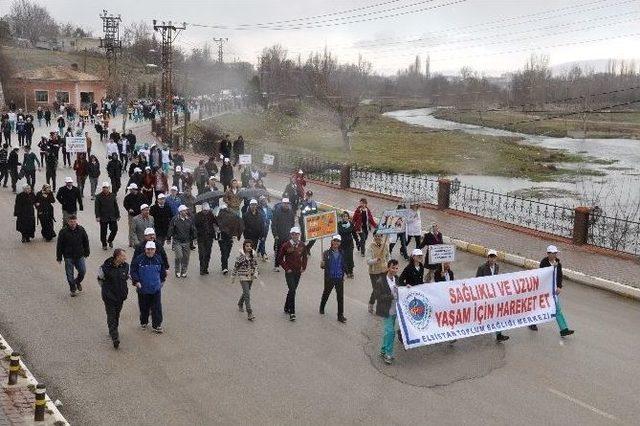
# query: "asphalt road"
[212,366]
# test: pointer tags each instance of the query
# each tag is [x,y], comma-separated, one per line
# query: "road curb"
[52,414]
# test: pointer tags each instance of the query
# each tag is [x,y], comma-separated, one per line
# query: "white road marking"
[583,404]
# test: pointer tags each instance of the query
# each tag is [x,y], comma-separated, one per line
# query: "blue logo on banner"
[418,309]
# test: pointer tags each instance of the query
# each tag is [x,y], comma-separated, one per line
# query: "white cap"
[226,160]
[106,184]
[137,170]
[295,230]
[68,179]
[149,231]
[150,244]
[174,188]
[212,178]
[144,206]
[552,249]
[206,206]
[161,195]
[178,169]
[132,186]
[253,201]
[147,168]
[285,200]
[417,252]
[336,237]
[182,208]
[492,252]
[300,171]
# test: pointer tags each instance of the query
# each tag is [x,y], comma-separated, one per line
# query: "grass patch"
[387,144]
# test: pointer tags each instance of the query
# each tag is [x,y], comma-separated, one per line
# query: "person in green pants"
[386,307]
[553,260]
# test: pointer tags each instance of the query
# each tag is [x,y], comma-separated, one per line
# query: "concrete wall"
[27,92]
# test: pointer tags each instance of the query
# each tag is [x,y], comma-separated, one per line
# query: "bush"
[290,107]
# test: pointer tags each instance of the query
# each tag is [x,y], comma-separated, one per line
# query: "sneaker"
[225,271]
[143,326]
[388,359]
[342,319]
[276,269]
[292,317]
[184,275]
[250,316]
[566,332]
[158,330]
[501,338]
[73,294]
[177,274]
[116,344]
[370,309]
[79,286]
[533,327]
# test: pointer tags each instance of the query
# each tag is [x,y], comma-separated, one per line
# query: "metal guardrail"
[615,233]
[395,184]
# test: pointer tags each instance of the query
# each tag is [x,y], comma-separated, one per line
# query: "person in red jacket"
[363,222]
[301,183]
[293,259]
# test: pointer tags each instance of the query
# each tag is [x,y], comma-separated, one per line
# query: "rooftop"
[55,73]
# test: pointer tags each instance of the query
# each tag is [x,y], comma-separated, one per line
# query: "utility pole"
[220,41]
[169,32]
[111,42]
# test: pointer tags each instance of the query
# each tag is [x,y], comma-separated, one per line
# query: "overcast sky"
[491,36]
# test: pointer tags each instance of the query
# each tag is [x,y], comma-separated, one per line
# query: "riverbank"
[384,143]
[603,125]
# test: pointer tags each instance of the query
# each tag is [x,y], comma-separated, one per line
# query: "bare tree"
[31,21]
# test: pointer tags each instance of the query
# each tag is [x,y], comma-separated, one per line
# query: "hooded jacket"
[282,222]
[113,280]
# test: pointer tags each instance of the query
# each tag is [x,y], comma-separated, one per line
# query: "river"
[618,192]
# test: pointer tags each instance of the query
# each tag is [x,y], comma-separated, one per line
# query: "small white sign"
[244,159]
[76,144]
[439,253]
[268,159]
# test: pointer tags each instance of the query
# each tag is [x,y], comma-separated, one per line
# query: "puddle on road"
[436,365]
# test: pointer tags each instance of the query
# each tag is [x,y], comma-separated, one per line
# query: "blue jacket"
[149,272]
[173,203]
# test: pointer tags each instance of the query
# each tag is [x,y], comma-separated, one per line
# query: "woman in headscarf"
[23,211]
[44,204]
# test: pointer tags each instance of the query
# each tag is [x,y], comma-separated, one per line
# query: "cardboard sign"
[244,159]
[320,225]
[439,253]
[76,144]
[268,159]
[393,221]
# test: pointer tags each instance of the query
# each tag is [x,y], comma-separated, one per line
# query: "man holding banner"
[489,268]
[387,300]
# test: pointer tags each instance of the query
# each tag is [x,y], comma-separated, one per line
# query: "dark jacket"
[346,231]
[161,218]
[133,201]
[384,297]
[14,161]
[544,263]
[69,198]
[253,225]
[72,244]
[114,168]
[24,212]
[485,271]
[293,257]
[439,277]
[206,224]
[226,174]
[113,280]
[412,276]
[182,230]
[93,169]
[139,249]
[106,207]
[282,222]
[430,239]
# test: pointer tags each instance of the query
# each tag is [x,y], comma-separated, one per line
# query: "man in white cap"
[552,260]
[107,214]
[334,270]
[293,259]
[132,202]
[281,224]
[174,200]
[206,228]
[141,222]
[150,235]
[182,231]
[162,215]
[69,198]
[179,180]
[489,268]
[148,275]
[254,227]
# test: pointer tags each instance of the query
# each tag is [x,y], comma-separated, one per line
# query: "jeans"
[293,279]
[4,174]
[416,238]
[81,182]
[403,245]
[262,249]
[388,335]
[115,185]
[562,323]
[50,175]
[113,230]
[69,265]
[182,252]
[113,310]
[374,286]
[133,240]
[329,284]
[204,252]
[246,295]
[225,242]
[362,237]
[30,176]
[150,303]
[93,181]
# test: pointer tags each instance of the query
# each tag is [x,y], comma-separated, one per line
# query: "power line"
[320,25]
[111,42]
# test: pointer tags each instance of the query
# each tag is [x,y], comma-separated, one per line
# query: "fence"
[582,225]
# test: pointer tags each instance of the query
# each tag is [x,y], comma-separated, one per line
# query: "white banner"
[440,253]
[244,159]
[449,310]
[76,144]
[268,159]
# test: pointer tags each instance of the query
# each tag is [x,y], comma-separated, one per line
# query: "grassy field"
[598,125]
[387,144]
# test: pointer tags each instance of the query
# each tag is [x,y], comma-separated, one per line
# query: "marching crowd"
[160,199]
